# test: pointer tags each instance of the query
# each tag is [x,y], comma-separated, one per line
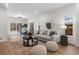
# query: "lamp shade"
[63,27]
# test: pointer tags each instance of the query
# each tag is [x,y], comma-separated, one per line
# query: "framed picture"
[19,26]
[48,25]
[15,26]
[12,26]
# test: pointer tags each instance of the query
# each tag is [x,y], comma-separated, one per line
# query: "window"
[69,25]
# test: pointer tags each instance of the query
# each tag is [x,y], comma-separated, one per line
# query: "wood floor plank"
[17,48]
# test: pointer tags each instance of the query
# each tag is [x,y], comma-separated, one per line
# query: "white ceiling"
[30,9]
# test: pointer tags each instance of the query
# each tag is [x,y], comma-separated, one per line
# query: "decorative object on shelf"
[30,34]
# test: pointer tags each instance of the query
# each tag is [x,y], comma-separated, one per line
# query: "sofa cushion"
[52,33]
[44,37]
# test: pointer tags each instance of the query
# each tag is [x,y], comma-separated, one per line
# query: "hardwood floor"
[66,50]
[17,48]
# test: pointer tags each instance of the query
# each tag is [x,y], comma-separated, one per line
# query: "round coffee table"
[30,41]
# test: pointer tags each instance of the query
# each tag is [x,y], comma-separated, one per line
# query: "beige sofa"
[45,36]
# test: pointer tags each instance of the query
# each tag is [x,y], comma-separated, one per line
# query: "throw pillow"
[52,33]
[48,33]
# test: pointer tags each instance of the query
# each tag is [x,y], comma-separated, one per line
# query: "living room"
[40,19]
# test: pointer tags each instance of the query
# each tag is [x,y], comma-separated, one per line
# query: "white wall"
[3,23]
[14,20]
[77,25]
[57,18]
